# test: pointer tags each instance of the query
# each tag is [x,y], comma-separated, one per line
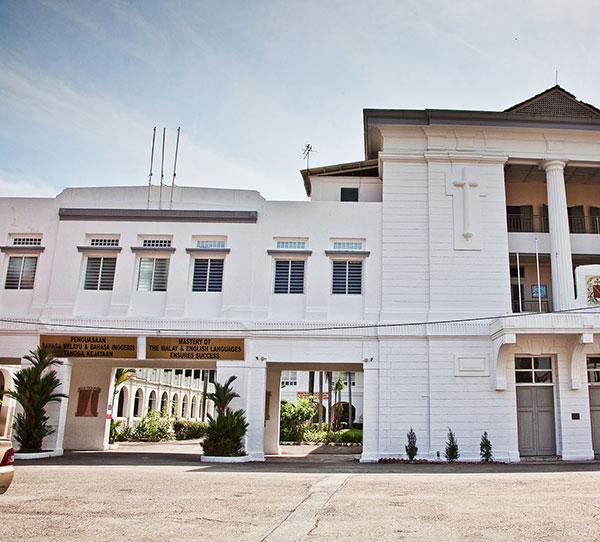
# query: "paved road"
[150,493]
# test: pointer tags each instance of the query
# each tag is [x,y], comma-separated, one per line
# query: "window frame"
[152,284]
[289,284]
[208,279]
[533,370]
[19,284]
[101,270]
[335,262]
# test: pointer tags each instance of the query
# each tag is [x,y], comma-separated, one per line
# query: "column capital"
[553,163]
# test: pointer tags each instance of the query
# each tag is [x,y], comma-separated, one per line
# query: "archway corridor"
[290,381]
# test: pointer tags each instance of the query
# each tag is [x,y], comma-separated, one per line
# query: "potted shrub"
[34,388]
[226,430]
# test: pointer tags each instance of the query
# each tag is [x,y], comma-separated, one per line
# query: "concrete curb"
[219,459]
[39,455]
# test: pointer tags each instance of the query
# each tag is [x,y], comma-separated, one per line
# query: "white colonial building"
[456,269]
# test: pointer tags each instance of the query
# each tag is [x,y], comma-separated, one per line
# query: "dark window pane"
[200,276]
[339,285]
[161,274]
[297,277]
[542,363]
[107,275]
[28,274]
[354,277]
[349,194]
[523,363]
[215,276]
[92,273]
[543,376]
[523,377]
[282,274]
[13,274]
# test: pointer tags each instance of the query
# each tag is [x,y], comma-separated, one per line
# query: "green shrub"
[152,427]
[187,429]
[315,436]
[485,448]
[34,388]
[123,433]
[351,435]
[411,448]
[451,454]
[295,419]
[225,432]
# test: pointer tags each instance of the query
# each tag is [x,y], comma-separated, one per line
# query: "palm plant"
[121,376]
[34,388]
[338,386]
[225,432]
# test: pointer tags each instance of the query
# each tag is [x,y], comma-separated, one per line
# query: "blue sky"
[82,83]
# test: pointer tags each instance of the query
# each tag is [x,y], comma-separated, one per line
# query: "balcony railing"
[530,306]
[539,224]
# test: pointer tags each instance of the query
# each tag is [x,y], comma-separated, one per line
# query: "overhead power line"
[579,310]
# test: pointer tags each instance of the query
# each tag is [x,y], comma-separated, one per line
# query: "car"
[7,464]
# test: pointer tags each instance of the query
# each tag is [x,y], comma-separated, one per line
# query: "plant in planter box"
[34,388]
[226,430]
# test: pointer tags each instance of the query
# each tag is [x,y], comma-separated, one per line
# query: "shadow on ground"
[294,459]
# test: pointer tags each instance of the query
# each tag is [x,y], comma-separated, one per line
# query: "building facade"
[456,269]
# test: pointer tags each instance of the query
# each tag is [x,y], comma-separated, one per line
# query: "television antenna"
[306,154]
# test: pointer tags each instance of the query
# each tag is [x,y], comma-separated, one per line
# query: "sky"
[83,83]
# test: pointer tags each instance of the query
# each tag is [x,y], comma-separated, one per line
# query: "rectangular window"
[349,194]
[27,241]
[298,245]
[533,370]
[153,275]
[347,277]
[21,273]
[210,243]
[208,275]
[104,242]
[593,369]
[289,277]
[156,243]
[289,378]
[100,273]
[347,245]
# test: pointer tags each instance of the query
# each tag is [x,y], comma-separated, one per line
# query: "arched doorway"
[138,401]
[152,401]
[164,403]
[175,406]
[184,407]
[194,413]
[122,403]
[340,413]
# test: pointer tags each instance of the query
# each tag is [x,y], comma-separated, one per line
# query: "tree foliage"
[34,388]
[295,417]
[451,454]
[411,446]
[226,430]
[485,448]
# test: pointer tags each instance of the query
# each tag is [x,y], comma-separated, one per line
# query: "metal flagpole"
[519,284]
[174,169]
[162,170]
[537,264]
[151,163]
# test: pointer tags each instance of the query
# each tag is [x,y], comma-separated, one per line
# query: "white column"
[370,453]
[272,423]
[57,411]
[251,386]
[560,241]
